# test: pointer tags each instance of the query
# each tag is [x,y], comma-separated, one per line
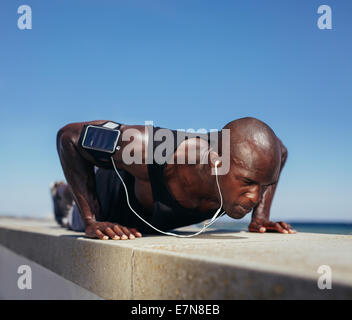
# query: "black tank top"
[168,213]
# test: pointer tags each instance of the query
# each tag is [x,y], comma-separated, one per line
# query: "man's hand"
[106,230]
[263,225]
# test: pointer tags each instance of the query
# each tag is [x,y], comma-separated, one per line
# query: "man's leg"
[74,220]
[111,198]
[62,201]
[65,209]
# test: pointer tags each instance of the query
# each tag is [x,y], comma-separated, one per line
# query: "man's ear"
[214,158]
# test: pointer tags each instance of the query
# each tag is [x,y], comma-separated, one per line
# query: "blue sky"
[182,64]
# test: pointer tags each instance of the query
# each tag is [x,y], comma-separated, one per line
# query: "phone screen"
[101,139]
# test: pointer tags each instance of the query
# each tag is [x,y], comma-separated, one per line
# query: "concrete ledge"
[215,265]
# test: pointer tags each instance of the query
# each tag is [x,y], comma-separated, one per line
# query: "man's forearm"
[262,210]
[79,173]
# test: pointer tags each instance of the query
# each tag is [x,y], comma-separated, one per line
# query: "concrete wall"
[215,265]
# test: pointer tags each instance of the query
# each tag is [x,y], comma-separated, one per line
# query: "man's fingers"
[111,234]
[119,232]
[115,231]
[135,232]
[270,226]
[253,227]
[276,227]
[287,227]
[101,235]
[128,232]
[106,230]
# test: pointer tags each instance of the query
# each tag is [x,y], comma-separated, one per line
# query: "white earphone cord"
[170,233]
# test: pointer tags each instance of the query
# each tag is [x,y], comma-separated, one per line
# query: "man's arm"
[261,213]
[78,166]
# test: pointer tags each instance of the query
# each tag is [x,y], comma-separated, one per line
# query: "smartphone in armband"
[101,139]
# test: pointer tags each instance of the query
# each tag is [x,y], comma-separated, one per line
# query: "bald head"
[255,163]
[254,145]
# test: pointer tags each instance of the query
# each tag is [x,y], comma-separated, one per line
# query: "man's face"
[251,172]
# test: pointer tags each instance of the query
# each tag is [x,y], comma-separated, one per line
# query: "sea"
[226,223]
[299,226]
